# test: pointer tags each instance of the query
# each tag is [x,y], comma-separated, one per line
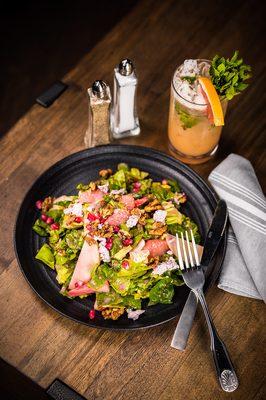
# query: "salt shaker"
[124,119]
[98,131]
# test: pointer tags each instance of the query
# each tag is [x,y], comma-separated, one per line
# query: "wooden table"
[136,365]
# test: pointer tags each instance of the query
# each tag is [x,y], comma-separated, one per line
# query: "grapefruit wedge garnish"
[214,109]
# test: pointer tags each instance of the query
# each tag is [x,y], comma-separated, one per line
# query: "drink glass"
[192,137]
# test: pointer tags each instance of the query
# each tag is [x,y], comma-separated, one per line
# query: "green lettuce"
[45,254]
[135,270]
[118,180]
[162,292]
[64,273]
[120,285]
[40,228]
[111,299]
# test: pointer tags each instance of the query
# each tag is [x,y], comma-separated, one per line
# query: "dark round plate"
[84,166]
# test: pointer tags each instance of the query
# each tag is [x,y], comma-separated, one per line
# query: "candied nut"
[149,208]
[153,205]
[90,240]
[47,204]
[180,198]
[154,262]
[136,211]
[158,231]
[93,186]
[104,173]
[112,313]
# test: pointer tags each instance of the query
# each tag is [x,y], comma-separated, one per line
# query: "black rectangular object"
[58,390]
[49,96]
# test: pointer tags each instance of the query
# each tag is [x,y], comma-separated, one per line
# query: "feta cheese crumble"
[104,188]
[75,209]
[139,256]
[134,314]
[119,191]
[161,268]
[132,221]
[159,216]
[103,251]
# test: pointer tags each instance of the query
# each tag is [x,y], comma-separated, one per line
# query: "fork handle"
[224,367]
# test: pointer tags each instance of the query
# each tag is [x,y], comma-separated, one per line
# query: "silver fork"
[195,279]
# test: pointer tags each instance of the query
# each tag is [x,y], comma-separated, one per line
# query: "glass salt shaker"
[124,119]
[98,131]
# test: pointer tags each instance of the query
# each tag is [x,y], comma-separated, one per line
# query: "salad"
[115,240]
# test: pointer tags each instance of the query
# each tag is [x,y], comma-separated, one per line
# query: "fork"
[194,278]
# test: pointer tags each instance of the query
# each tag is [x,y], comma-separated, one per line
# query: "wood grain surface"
[157,35]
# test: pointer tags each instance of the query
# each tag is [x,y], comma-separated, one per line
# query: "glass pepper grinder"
[98,131]
[124,119]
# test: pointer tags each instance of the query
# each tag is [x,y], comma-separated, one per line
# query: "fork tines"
[185,253]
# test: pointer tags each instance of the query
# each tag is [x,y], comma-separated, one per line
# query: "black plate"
[84,166]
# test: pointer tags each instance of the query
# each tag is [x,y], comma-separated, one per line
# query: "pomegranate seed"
[89,227]
[102,220]
[78,284]
[92,314]
[39,204]
[55,226]
[116,229]
[109,243]
[125,264]
[137,185]
[92,217]
[44,217]
[127,242]
[78,219]
[165,182]
[49,220]
[135,190]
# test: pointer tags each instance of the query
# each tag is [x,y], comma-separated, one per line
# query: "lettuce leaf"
[162,292]
[135,270]
[111,299]
[64,273]
[40,228]
[45,254]
[120,285]
[118,180]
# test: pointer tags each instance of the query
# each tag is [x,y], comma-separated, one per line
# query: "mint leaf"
[190,79]
[188,120]
[228,75]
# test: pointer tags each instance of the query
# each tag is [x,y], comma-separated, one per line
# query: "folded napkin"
[244,267]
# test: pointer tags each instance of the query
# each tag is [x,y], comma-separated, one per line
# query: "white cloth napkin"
[244,267]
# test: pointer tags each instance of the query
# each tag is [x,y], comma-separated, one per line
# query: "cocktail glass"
[193,138]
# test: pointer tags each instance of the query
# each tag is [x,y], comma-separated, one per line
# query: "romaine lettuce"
[45,254]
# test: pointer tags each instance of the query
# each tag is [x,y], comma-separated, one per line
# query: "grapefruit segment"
[214,108]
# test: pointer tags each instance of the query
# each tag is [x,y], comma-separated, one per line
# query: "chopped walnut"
[158,231]
[154,262]
[112,313]
[142,220]
[107,210]
[104,173]
[93,186]
[47,204]
[90,240]
[137,211]
[153,206]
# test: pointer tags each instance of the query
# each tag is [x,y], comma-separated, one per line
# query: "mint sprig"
[190,79]
[187,120]
[228,75]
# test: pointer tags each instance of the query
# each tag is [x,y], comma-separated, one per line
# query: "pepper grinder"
[98,131]
[124,119]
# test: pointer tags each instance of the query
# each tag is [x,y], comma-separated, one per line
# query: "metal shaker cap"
[126,67]
[99,89]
